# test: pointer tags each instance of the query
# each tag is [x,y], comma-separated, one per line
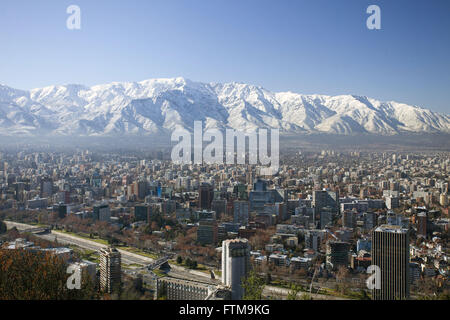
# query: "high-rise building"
[390,252]
[62,211]
[348,219]
[46,188]
[205,196]
[422,220]
[207,232]
[337,254]
[325,198]
[313,239]
[110,270]
[326,217]
[235,265]
[101,213]
[261,196]
[241,212]
[392,202]
[219,206]
[141,189]
[370,220]
[141,212]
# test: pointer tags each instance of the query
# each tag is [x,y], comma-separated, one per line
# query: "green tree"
[253,286]
[28,275]
[292,294]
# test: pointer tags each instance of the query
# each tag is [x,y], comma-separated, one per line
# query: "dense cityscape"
[138,226]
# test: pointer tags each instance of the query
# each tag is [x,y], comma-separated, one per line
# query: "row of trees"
[30,275]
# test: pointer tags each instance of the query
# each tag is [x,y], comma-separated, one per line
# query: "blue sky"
[313,46]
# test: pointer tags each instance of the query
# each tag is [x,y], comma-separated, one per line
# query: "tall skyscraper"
[325,198]
[46,188]
[422,220]
[337,254]
[101,212]
[390,252]
[241,212]
[348,219]
[235,265]
[205,196]
[207,232]
[110,270]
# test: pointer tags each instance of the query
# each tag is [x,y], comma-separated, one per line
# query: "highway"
[132,258]
[127,257]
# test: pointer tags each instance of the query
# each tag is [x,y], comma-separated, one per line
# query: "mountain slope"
[158,106]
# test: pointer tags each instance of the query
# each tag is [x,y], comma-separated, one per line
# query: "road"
[127,257]
[132,258]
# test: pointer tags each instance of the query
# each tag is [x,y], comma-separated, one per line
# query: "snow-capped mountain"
[158,106]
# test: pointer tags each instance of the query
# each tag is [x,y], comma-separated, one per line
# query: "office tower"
[422,224]
[235,265]
[325,198]
[390,252]
[219,206]
[101,213]
[141,212]
[348,219]
[392,202]
[110,270]
[313,239]
[281,211]
[96,179]
[140,189]
[260,196]
[326,217]
[240,191]
[207,232]
[205,196]
[370,220]
[62,211]
[337,254]
[46,188]
[241,212]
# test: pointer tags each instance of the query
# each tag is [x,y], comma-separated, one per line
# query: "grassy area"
[130,266]
[200,267]
[139,252]
[86,254]
[159,273]
[83,236]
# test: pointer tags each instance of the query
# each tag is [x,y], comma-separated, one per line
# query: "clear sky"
[313,46]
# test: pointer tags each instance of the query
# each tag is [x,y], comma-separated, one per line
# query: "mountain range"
[158,106]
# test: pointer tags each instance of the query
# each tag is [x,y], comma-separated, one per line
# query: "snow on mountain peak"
[160,105]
